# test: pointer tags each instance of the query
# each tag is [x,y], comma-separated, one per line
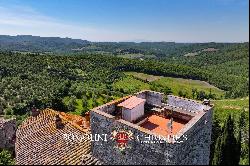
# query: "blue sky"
[128,20]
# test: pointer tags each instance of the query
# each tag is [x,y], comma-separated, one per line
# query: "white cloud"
[25,20]
[18,20]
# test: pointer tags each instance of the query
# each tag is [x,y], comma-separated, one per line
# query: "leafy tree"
[6,158]
[194,92]
[201,95]
[180,93]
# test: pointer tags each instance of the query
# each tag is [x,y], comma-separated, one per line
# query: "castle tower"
[190,134]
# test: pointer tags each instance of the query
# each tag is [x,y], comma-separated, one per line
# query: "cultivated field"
[176,84]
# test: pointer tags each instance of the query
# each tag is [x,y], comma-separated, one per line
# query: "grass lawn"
[143,76]
[133,56]
[235,107]
[222,108]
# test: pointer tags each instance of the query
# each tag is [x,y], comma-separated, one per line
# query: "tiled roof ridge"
[32,120]
[73,124]
[39,136]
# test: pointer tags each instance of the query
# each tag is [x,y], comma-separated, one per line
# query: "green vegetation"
[177,86]
[189,87]
[71,84]
[135,56]
[63,82]
[230,106]
[88,74]
[28,43]
[144,77]
[6,158]
[129,85]
[227,68]
[227,147]
[230,136]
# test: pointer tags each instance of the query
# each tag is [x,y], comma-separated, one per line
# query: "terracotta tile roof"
[131,102]
[39,142]
[158,125]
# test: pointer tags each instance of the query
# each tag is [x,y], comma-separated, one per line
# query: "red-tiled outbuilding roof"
[131,102]
[39,142]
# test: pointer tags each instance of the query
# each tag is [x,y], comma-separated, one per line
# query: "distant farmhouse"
[145,128]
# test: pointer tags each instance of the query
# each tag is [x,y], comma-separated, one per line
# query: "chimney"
[34,112]
[58,122]
[206,102]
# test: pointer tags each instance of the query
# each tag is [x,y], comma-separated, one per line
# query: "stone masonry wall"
[179,113]
[193,146]
[110,107]
[189,105]
[152,98]
[159,153]
[7,132]
[194,150]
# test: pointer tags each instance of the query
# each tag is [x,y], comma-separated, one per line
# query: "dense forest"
[60,80]
[224,65]
[47,81]
[227,68]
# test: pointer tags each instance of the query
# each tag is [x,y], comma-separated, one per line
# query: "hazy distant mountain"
[66,45]
[40,44]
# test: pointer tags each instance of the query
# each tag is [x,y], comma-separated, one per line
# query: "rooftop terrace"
[158,125]
[157,113]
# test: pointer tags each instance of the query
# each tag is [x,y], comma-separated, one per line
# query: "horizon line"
[127,41]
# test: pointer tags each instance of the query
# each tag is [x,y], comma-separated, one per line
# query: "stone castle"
[186,124]
[191,125]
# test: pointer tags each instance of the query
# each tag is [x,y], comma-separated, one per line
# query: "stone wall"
[152,97]
[158,153]
[7,132]
[196,150]
[110,107]
[193,145]
[187,104]
[179,113]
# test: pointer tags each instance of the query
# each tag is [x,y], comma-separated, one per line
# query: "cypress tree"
[229,148]
[242,125]
[216,160]
[216,132]
[239,146]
